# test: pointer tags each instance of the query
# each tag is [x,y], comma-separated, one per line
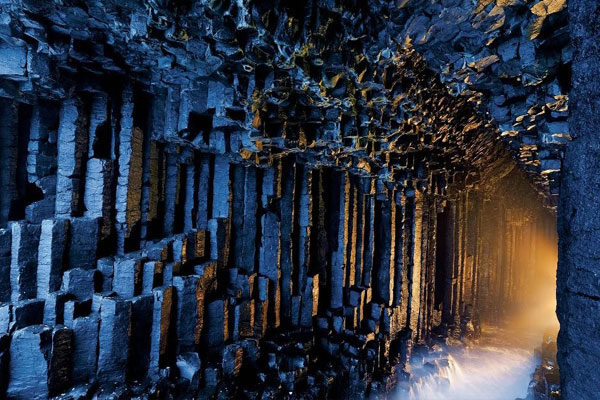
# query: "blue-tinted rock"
[23,267]
[29,353]
[85,348]
[60,363]
[113,352]
[79,282]
[106,268]
[51,255]
[84,242]
[5,259]
[189,366]
[27,313]
[14,59]
[160,352]
[141,327]
[127,274]
[54,308]
[189,323]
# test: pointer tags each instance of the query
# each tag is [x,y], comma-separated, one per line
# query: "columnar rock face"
[578,292]
[246,199]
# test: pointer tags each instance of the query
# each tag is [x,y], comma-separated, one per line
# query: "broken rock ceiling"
[204,192]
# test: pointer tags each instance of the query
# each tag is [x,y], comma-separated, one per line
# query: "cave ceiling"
[425,93]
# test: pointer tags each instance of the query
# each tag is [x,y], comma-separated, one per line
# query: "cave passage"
[275,199]
[504,344]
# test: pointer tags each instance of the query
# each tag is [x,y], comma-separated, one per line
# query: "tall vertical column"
[204,209]
[237,177]
[99,175]
[189,193]
[5,259]
[461,227]
[319,243]
[269,243]
[382,248]
[221,188]
[113,339]
[244,214]
[468,249]
[129,181]
[153,129]
[51,255]
[72,157]
[8,157]
[23,265]
[400,264]
[172,189]
[476,239]
[336,233]
[286,207]
[354,260]
[350,232]
[303,278]
[42,160]
[447,260]
[414,209]
[430,265]
[368,232]
[424,244]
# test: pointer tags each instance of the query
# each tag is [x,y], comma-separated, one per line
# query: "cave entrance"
[494,295]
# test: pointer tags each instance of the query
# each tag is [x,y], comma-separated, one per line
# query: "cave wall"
[242,198]
[578,292]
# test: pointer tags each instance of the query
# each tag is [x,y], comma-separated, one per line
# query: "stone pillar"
[244,219]
[203,213]
[23,265]
[286,209]
[72,155]
[399,273]
[141,327]
[42,160]
[172,187]
[83,247]
[305,206]
[8,157]
[129,178]
[113,352]
[29,352]
[51,255]
[5,260]
[189,191]
[85,347]
[382,247]
[160,349]
[335,193]
[221,186]
[353,252]
[416,237]
[369,233]
[269,244]
[188,291]
[60,362]
[127,279]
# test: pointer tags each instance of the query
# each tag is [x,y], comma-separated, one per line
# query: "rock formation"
[258,199]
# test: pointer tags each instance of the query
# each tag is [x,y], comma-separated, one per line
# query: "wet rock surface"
[220,199]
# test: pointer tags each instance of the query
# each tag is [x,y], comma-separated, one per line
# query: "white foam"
[491,373]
